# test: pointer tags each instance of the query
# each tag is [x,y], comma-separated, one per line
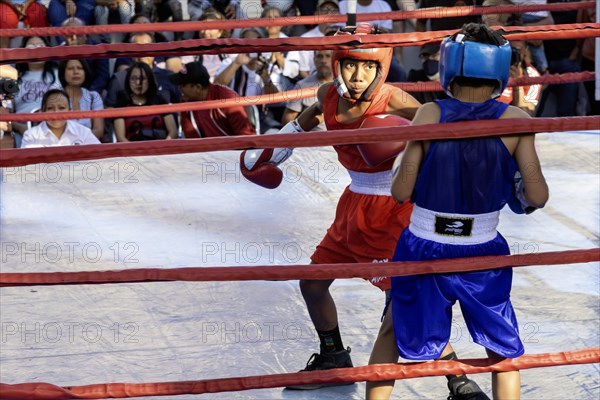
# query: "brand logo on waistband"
[449,226]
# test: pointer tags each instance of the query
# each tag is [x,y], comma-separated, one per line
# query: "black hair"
[136,16]
[267,8]
[49,66]
[52,92]
[151,94]
[481,33]
[211,14]
[62,68]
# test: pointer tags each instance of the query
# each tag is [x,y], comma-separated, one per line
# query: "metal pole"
[351,13]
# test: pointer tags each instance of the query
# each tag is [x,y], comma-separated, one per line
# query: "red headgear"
[382,55]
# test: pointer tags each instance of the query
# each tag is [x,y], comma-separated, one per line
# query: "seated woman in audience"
[75,78]
[61,132]
[35,78]
[141,90]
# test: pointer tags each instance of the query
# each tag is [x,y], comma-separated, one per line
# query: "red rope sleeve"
[232,46]
[289,95]
[372,373]
[313,271]
[20,157]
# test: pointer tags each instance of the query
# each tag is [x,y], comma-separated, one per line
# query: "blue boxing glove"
[521,205]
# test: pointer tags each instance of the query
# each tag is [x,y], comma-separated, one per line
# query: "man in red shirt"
[194,83]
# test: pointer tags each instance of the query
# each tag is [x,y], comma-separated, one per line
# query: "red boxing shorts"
[366,228]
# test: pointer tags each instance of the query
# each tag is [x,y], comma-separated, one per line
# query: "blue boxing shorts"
[422,304]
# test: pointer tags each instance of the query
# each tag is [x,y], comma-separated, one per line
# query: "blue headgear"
[486,61]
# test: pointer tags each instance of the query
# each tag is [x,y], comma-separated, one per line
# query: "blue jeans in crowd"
[57,11]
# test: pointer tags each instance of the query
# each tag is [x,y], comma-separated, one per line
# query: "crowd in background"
[96,84]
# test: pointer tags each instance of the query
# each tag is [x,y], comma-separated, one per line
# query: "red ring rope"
[232,46]
[371,373]
[272,98]
[313,271]
[187,26]
[20,157]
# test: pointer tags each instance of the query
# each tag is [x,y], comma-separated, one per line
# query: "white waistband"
[377,183]
[460,229]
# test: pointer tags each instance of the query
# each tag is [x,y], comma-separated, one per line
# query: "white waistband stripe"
[460,229]
[377,183]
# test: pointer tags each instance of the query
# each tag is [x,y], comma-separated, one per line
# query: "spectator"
[400,26]
[75,77]
[278,61]
[524,97]
[251,75]
[226,7]
[588,54]
[141,90]
[324,7]
[6,107]
[430,59]
[500,19]
[286,8]
[60,10]
[563,57]
[114,12]
[162,11]
[212,62]
[57,133]
[441,24]
[371,6]
[29,13]
[246,73]
[536,18]
[35,78]
[99,67]
[194,83]
[322,74]
[139,18]
[116,85]
[304,8]
[536,47]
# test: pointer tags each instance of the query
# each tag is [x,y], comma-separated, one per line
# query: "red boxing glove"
[379,152]
[260,165]
[264,172]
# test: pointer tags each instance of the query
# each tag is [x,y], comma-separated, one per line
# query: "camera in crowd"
[8,88]
[260,58]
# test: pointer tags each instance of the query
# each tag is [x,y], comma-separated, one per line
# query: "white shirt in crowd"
[74,134]
[306,57]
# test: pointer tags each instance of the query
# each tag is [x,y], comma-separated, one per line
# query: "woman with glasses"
[75,78]
[141,90]
[35,78]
